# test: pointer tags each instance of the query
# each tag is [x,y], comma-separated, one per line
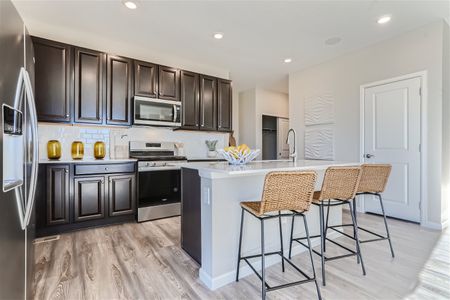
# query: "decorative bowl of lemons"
[239,155]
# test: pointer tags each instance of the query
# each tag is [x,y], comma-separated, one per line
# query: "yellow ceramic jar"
[54,149]
[77,150]
[99,150]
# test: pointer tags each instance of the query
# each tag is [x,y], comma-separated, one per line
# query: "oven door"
[148,111]
[159,187]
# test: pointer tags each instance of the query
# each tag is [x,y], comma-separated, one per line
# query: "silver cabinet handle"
[67,115]
[368,155]
[66,171]
[174,113]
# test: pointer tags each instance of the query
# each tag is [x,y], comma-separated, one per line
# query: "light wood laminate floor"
[145,261]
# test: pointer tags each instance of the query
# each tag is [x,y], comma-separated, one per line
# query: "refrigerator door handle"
[35,145]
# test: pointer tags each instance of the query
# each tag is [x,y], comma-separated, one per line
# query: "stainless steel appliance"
[151,111]
[19,154]
[159,179]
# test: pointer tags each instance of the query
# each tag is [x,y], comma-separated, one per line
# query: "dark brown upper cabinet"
[208,103]
[118,93]
[53,80]
[169,83]
[224,105]
[122,194]
[145,79]
[58,192]
[190,100]
[89,85]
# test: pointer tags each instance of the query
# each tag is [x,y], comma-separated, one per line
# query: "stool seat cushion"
[252,206]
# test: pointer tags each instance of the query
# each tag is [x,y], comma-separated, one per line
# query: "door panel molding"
[423,75]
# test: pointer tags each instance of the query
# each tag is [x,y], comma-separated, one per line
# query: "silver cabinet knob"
[67,115]
[106,169]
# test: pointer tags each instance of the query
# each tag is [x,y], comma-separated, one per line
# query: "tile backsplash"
[116,139]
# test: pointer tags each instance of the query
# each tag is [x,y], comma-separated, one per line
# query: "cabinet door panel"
[190,100]
[169,83]
[145,79]
[224,105]
[118,90]
[89,77]
[122,194]
[89,198]
[53,80]
[58,192]
[208,103]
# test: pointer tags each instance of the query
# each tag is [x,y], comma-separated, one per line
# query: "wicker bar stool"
[373,181]
[290,192]
[338,188]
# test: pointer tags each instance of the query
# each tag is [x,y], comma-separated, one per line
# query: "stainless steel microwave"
[157,112]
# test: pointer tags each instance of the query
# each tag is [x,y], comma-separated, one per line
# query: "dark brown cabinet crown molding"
[53,80]
[169,83]
[208,103]
[118,94]
[224,105]
[89,85]
[145,79]
[190,100]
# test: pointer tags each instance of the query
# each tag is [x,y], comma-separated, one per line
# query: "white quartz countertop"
[87,161]
[223,169]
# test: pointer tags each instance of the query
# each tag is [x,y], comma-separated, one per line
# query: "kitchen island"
[211,193]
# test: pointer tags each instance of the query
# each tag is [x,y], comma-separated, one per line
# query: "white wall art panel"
[319,143]
[319,109]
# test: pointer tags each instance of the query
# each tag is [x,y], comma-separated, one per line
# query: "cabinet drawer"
[104,169]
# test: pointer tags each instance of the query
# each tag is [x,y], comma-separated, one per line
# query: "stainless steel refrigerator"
[19,155]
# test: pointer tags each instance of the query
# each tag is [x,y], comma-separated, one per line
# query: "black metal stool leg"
[326,226]
[322,244]
[263,265]
[358,246]
[356,222]
[281,241]
[310,256]
[386,225]
[292,236]
[240,244]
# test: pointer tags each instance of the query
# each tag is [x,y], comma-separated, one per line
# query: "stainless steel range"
[159,179]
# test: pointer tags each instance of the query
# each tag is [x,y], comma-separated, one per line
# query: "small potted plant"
[211,148]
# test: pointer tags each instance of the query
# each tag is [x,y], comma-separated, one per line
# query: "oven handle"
[151,169]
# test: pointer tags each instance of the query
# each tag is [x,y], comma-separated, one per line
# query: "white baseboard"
[216,282]
[435,225]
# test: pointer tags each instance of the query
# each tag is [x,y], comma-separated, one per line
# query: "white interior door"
[392,135]
[282,130]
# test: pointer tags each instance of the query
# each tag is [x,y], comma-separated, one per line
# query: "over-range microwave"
[157,112]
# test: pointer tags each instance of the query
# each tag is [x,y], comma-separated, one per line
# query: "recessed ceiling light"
[383,19]
[287,60]
[333,41]
[129,4]
[218,35]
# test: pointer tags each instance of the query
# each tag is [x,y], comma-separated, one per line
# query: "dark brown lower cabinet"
[121,194]
[89,198]
[75,196]
[58,192]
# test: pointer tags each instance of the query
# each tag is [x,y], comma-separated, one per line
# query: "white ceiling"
[258,35]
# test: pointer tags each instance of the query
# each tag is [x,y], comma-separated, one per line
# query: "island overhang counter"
[210,215]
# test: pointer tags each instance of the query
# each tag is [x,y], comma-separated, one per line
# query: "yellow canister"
[77,150]
[54,149]
[99,150]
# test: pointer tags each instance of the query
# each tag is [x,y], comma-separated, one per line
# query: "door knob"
[368,155]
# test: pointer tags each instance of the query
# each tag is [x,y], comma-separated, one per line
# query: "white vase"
[212,153]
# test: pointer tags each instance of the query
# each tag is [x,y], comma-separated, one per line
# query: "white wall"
[446,123]
[253,105]
[408,53]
